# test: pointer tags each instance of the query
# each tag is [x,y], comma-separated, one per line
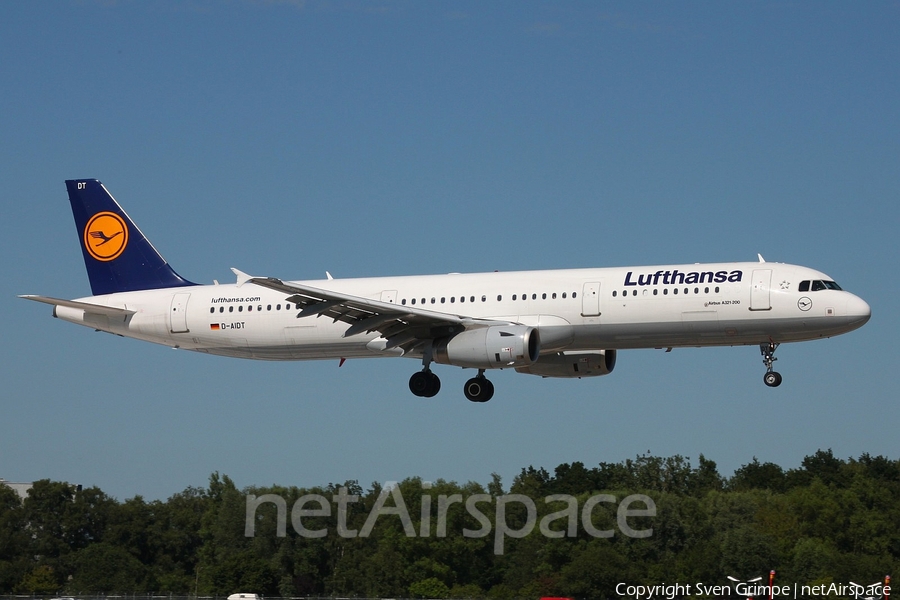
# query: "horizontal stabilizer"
[96,309]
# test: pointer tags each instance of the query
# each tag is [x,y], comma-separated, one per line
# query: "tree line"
[830,520]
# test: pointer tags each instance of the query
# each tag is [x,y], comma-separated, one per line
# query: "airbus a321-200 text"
[559,323]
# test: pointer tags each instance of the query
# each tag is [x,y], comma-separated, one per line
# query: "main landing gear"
[479,389]
[771,378]
[426,384]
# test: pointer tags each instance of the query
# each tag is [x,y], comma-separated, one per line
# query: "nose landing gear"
[771,378]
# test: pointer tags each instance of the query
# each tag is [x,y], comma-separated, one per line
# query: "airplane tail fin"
[118,257]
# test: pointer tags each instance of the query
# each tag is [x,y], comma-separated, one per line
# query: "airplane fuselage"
[574,310]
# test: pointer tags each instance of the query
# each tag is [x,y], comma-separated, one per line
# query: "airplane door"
[178,313]
[590,299]
[389,296]
[759,289]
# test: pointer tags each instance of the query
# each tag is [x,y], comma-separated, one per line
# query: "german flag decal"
[215,326]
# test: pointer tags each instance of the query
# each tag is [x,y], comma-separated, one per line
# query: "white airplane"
[560,323]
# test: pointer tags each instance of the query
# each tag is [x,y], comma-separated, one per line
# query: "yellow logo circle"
[105,236]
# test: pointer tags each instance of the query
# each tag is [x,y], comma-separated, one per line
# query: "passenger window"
[499,298]
[554,295]
[403,302]
[666,292]
[614,293]
[452,299]
[462,298]
[675,291]
[240,308]
[514,296]
[543,296]
[212,309]
[564,295]
[655,291]
[574,294]
[634,292]
[443,300]
[484,298]
[268,307]
[804,286]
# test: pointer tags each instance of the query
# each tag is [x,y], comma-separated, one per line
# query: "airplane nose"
[858,311]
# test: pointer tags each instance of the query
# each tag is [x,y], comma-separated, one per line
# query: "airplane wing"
[96,309]
[404,327]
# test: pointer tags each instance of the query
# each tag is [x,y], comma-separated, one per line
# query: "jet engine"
[495,347]
[573,364]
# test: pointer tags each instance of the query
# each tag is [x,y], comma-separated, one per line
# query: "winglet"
[761,259]
[242,277]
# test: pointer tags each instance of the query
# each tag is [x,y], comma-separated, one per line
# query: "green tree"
[106,568]
[432,587]
[40,580]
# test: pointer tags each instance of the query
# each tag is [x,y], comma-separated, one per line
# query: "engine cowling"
[573,364]
[494,347]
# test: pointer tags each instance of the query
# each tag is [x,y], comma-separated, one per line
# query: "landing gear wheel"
[772,379]
[424,384]
[479,389]
[434,385]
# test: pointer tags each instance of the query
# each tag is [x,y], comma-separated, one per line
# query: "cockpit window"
[817,286]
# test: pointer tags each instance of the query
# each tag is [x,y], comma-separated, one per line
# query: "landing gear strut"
[425,384]
[771,378]
[479,389]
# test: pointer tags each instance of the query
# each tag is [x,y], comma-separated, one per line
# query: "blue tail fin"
[117,255]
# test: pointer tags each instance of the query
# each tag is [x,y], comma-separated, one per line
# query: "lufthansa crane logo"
[106,236]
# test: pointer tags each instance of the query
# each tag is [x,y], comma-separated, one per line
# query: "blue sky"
[388,138]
